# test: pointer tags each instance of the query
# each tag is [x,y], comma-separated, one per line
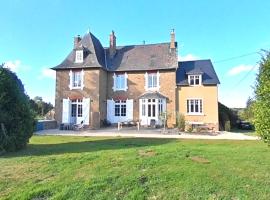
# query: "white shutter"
[126,81]
[110,111]
[129,115]
[146,81]
[86,110]
[140,108]
[158,80]
[114,82]
[66,111]
[70,80]
[82,79]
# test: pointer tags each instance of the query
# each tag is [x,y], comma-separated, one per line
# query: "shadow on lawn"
[86,146]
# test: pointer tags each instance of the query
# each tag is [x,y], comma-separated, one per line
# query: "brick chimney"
[77,39]
[112,44]
[172,44]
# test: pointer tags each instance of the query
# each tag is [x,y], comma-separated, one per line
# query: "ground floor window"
[120,108]
[194,106]
[76,108]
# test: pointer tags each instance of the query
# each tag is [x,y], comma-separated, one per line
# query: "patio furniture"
[77,127]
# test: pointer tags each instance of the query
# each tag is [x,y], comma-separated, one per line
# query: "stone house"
[133,83]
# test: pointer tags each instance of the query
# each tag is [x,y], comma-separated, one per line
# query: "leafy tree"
[40,107]
[247,113]
[262,104]
[16,118]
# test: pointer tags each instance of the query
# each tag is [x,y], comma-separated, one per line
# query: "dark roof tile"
[204,67]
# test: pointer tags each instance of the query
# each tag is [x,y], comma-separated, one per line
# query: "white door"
[150,109]
[76,111]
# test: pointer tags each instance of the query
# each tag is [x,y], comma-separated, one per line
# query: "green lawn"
[54,167]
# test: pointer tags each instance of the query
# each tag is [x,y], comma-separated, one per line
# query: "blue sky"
[37,35]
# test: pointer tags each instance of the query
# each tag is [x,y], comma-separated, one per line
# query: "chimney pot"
[112,45]
[77,39]
[172,44]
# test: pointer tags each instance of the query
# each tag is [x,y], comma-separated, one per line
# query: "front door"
[151,109]
[76,111]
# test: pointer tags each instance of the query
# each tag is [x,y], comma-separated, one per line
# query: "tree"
[227,117]
[40,107]
[247,113]
[16,118]
[262,103]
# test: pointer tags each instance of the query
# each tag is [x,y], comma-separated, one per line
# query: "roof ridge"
[207,59]
[140,45]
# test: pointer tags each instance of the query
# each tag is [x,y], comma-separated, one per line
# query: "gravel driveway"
[148,133]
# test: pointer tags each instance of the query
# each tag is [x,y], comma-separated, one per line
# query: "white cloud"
[241,68]
[47,73]
[16,66]
[187,57]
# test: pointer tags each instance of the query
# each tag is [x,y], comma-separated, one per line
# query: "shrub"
[16,118]
[180,121]
[262,103]
[227,126]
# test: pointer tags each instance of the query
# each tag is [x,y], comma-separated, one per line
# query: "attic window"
[79,56]
[195,79]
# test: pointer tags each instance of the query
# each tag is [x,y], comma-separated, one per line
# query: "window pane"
[191,80]
[80,110]
[73,110]
[154,80]
[117,110]
[123,109]
[200,106]
[149,110]
[154,110]
[150,83]
[143,109]
[187,106]
[197,80]
[191,106]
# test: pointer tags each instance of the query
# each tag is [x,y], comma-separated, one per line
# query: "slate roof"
[152,95]
[127,58]
[204,67]
[142,57]
[93,54]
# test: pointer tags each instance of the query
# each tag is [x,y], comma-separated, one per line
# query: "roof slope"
[204,67]
[142,57]
[93,54]
[127,58]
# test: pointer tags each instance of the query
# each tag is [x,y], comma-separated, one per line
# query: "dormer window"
[79,56]
[195,79]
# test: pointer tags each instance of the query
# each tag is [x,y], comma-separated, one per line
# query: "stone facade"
[95,80]
[136,87]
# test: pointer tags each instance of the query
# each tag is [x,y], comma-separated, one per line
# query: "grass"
[55,167]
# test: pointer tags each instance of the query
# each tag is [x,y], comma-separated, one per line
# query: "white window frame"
[73,84]
[194,77]
[122,106]
[200,106]
[120,82]
[146,77]
[79,56]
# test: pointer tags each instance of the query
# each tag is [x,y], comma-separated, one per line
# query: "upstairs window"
[152,81]
[76,79]
[195,106]
[79,56]
[195,79]
[120,82]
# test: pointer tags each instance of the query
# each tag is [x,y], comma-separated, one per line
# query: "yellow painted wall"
[209,95]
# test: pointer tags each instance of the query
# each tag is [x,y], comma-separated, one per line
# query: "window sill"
[195,114]
[76,88]
[152,89]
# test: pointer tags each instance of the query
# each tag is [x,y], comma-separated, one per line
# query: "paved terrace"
[148,133]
